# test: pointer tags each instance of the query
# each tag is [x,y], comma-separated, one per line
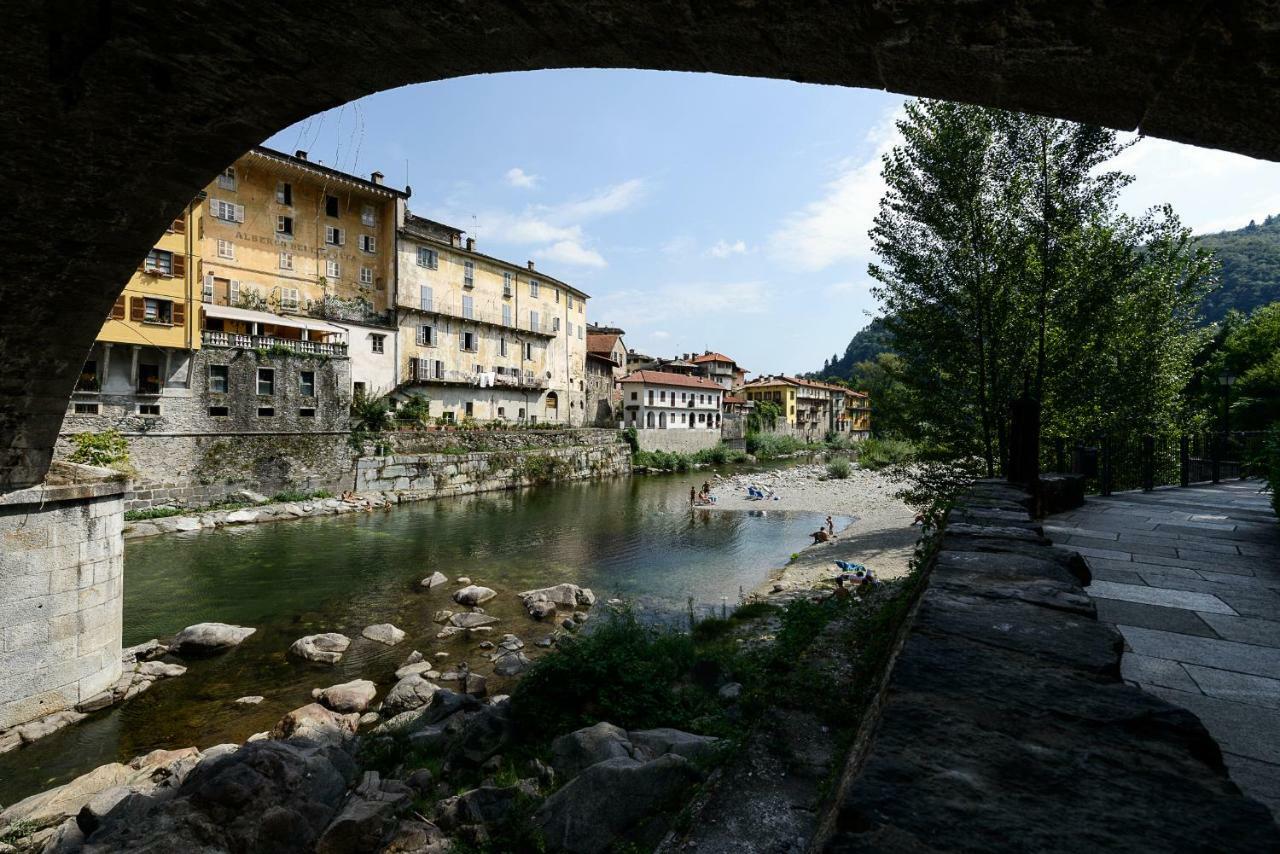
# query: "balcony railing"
[213,338]
[447,308]
[423,371]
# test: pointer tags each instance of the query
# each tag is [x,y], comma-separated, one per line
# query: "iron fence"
[1116,463]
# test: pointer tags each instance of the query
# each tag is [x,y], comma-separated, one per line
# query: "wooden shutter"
[239,211]
[179,313]
[137,309]
[117,310]
[179,265]
[179,225]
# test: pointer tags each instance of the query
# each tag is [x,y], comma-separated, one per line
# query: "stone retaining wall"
[1006,726]
[61,589]
[453,441]
[677,440]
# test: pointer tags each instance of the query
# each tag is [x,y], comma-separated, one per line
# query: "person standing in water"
[831,527]
[693,495]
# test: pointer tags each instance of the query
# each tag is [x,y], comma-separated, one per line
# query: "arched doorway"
[551,407]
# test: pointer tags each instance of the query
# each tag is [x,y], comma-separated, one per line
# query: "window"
[569,327]
[468,408]
[88,376]
[219,411]
[556,291]
[266,381]
[284,193]
[682,395]
[218,375]
[266,411]
[227,180]
[428,258]
[502,346]
[368,215]
[307,412]
[378,343]
[468,274]
[331,206]
[159,261]
[226,249]
[662,395]
[579,331]
[332,268]
[289,298]
[521,413]
[426,336]
[286,260]
[502,412]
[468,341]
[439,369]
[424,298]
[307,383]
[533,288]
[555,324]
[358,390]
[366,275]
[634,395]
[569,297]
[334,236]
[368,243]
[226,211]
[506,284]
[506,314]
[468,308]
[157,310]
[533,320]
[86,409]
[528,351]
[148,409]
[284,225]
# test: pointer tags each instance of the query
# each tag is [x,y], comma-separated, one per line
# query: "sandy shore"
[881,535]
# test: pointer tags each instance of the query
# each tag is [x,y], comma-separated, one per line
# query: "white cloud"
[660,334]
[678,245]
[611,199]
[834,227]
[517,177]
[683,300]
[837,289]
[723,249]
[1210,190]
[573,253]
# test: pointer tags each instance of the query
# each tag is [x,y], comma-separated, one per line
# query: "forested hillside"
[1250,259]
[869,342]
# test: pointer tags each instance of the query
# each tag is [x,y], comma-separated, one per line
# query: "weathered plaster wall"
[61,589]
[682,441]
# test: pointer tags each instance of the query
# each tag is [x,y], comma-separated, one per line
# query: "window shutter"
[233,292]
[179,225]
[179,313]
[239,211]
[137,309]
[179,265]
[117,310]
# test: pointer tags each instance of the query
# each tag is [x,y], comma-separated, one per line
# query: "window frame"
[213,378]
[377,343]
[270,379]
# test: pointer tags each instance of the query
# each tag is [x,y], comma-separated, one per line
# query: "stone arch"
[117,114]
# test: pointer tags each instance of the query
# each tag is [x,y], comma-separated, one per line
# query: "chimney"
[300,154]
[376,177]
[471,244]
[530,265]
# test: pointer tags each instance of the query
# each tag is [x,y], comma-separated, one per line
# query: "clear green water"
[633,538]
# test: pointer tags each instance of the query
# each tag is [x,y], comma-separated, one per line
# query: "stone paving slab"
[1191,577]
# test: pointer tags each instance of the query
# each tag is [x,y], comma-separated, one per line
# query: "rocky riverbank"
[881,536]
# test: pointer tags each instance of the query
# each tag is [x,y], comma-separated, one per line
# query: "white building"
[671,412]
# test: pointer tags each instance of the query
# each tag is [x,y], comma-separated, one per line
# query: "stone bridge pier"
[61,590]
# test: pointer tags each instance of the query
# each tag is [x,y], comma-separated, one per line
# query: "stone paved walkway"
[1191,577]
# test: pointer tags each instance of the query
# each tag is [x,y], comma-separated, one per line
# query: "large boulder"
[509,662]
[482,806]
[208,638]
[578,750]
[313,722]
[467,620]
[411,692]
[652,743]
[324,648]
[353,696]
[383,633]
[366,817]
[540,607]
[434,580]
[416,837]
[473,595]
[484,735]
[567,595]
[612,800]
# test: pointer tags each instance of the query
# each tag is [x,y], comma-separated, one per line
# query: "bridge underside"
[117,113]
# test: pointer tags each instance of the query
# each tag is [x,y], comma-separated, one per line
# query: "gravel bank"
[881,535]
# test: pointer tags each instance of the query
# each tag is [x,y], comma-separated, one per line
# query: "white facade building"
[653,400]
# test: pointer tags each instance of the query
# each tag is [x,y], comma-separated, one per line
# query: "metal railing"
[1117,463]
[212,338]
[423,371]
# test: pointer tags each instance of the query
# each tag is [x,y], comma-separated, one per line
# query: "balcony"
[264,342]
[423,371]
[446,308]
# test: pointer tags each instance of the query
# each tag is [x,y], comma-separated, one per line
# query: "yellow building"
[144,349]
[485,339]
[814,408]
[300,255]
[857,414]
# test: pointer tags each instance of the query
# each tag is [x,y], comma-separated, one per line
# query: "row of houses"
[287,288]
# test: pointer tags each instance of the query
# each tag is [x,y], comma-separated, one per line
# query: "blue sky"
[699,211]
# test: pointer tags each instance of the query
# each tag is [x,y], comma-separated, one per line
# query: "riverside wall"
[1006,726]
[61,589]
[676,440]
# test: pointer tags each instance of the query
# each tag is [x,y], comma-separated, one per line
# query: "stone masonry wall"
[420,476]
[680,441]
[440,441]
[61,588]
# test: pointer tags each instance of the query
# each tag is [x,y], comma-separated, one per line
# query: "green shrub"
[839,468]
[768,446]
[415,411]
[879,453]
[107,448]
[289,496]
[1268,465]
[152,513]
[629,435]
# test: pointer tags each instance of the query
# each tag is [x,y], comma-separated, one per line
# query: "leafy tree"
[1250,259]
[1249,349]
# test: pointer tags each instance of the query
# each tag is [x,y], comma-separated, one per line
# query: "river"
[633,538]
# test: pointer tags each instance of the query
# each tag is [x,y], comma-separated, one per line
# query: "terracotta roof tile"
[664,378]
